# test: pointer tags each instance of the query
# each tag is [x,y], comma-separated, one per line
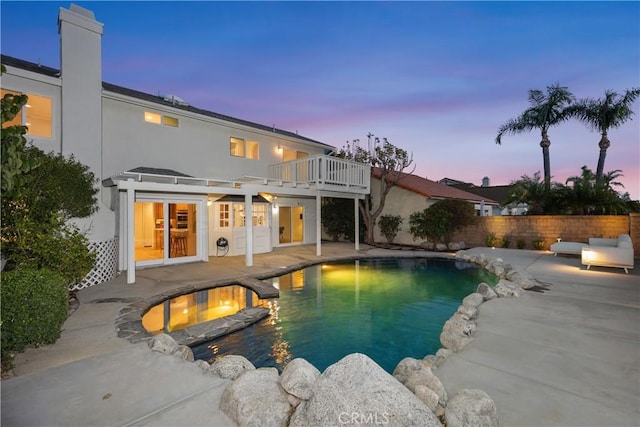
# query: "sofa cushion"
[625,244]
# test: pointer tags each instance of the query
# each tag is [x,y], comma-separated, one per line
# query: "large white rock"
[428,396]
[405,367]
[506,289]
[473,300]
[231,366]
[355,390]
[298,378]
[467,312]
[184,352]
[486,291]
[425,377]
[256,399]
[460,325]
[163,343]
[470,407]
[522,278]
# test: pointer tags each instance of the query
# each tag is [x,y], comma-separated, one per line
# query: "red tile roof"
[432,189]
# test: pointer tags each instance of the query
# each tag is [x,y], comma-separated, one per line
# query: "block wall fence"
[550,228]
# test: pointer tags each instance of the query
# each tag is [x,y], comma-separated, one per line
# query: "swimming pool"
[387,309]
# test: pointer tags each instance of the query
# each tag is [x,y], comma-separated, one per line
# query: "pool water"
[388,309]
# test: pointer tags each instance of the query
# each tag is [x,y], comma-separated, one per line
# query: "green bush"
[34,307]
[504,241]
[440,220]
[389,226]
[521,243]
[538,244]
[491,240]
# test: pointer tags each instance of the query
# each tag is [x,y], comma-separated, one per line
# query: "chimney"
[486,182]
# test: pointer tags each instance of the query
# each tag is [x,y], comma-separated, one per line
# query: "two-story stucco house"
[174,179]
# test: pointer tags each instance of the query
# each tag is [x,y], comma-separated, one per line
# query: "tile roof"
[495,192]
[52,72]
[432,189]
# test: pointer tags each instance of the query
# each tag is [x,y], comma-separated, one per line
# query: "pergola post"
[131,254]
[248,226]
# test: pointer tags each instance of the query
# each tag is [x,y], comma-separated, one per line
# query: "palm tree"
[547,109]
[588,196]
[603,114]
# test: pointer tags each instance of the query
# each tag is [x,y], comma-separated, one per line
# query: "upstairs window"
[238,147]
[253,150]
[36,115]
[170,121]
[152,118]
[158,119]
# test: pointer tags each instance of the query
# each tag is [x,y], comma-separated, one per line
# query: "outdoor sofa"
[608,252]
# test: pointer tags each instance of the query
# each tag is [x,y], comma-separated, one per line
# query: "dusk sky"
[435,78]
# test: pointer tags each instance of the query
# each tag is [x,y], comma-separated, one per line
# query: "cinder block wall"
[550,228]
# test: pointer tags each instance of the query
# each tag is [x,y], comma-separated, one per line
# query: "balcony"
[325,173]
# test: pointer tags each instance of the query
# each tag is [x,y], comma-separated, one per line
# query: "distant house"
[414,194]
[178,183]
[499,193]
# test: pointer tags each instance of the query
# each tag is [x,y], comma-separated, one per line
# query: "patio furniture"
[571,248]
[609,252]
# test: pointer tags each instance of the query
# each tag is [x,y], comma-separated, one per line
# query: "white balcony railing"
[325,172]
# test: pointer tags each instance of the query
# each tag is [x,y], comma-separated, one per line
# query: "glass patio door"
[291,224]
[165,231]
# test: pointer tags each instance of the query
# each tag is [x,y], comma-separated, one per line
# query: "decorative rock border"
[301,395]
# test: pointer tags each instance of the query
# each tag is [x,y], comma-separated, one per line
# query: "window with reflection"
[36,115]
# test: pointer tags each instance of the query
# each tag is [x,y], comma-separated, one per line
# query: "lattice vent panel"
[106,267]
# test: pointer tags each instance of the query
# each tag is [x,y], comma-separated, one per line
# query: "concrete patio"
[567,356]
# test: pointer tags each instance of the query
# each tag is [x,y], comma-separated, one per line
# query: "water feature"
[386,308]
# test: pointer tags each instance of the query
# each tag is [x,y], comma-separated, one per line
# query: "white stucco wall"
[199,146]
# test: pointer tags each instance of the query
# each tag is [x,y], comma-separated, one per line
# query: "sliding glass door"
[165,231]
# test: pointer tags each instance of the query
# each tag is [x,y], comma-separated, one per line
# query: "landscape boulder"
[470,407]
[355,390]
[506,288]
[298,378]
[163,343]
[405,367]
[256,399]
[486,291]
[473,300]
[522,278]
[231,366]
[425,377]
[184,352]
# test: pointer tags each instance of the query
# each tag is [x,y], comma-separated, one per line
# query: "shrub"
[538,244]
[34,307]
[504,242]
[521,243]
[441,219]
[491,240]
[430,223]
[389,226]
